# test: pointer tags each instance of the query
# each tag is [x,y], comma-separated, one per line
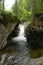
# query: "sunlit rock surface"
[8,23]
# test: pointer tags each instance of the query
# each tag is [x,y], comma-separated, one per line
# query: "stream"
[21,54]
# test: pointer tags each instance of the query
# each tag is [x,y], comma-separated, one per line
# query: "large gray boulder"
[4,33]
[6,27]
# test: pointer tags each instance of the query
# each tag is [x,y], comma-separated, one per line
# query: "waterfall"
[20,36]
[21,32]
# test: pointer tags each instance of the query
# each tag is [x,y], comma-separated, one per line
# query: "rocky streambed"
[17,57]
[17,52]
[14,50]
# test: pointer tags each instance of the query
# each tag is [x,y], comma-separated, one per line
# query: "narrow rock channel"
[20,55]
[21,39]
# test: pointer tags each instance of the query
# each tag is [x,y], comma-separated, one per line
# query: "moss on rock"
[34,33]
[8,23]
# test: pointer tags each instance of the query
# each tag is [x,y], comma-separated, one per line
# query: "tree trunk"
[16,8]
[33,10]
[0,7]
[3,5]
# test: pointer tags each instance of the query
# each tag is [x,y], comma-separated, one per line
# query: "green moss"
[8,17]
[36,53]
[8,52]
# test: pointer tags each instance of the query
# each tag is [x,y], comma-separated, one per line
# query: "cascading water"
[21,34]
[21,39]
[16,57]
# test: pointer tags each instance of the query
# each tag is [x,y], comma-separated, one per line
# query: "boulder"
[7,27]
[34,33]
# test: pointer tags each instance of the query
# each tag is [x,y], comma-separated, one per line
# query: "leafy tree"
[33,10]
[3,5]
[24,12]
[27,9]
[0,5]
[39,6]
[16,8]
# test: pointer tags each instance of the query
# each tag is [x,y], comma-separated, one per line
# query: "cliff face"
[4,33]
[34,34]
[6,28]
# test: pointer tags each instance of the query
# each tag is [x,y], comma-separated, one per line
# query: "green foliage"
[24,12]
[26,8]
[39,6]
[36,53]
[8,17]
[2,5]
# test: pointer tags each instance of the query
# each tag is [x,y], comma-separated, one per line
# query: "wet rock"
[17,60]
[2,60]
[36,61]
[34,34]
[10,60]
[14,33]
[23,60]
[2,35]
[6,29]
[18,42]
